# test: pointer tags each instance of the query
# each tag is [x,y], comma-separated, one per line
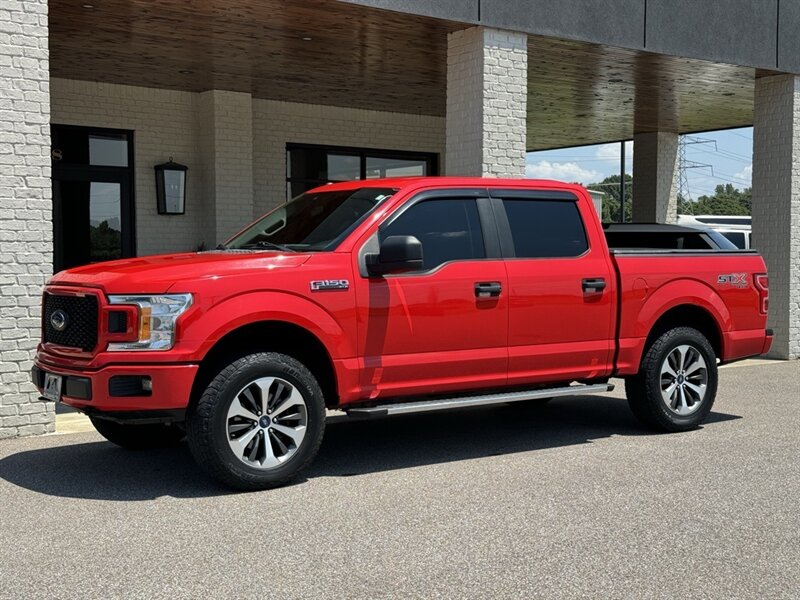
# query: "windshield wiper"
[268,246]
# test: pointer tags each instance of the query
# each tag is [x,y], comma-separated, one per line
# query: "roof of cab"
[399,183]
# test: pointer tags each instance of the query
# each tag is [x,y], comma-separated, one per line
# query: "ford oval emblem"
[59,320]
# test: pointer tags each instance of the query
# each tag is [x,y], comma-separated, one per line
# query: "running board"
[485,400]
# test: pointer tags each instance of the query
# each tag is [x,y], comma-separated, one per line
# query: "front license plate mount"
[52,387]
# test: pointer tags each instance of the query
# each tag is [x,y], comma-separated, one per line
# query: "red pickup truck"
[391,296]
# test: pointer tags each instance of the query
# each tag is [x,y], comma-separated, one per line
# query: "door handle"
[593,285]
[488,289]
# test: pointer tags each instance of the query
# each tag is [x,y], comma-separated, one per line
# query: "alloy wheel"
[684,380]
[266,422]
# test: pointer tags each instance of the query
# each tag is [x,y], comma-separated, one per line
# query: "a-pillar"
[487,88]
[776,203]
[655,177]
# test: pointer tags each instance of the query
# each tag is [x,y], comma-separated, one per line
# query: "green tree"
[726,200]
[106,242]
[611,204]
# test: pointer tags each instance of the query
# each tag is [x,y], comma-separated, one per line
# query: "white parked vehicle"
[734,227]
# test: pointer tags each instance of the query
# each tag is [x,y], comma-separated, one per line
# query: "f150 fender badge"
[325,285]
[738,280]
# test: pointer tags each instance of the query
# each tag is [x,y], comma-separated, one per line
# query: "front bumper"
[92,391]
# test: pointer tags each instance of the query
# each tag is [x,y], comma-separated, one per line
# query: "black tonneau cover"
[650,237]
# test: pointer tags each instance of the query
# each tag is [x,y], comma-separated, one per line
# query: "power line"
[684,165]
[744,137]
[727,154]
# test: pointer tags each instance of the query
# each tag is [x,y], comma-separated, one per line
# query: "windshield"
[313,221]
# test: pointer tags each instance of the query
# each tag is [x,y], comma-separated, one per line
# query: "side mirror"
[398,254]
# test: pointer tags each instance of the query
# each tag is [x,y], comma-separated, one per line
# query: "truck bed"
[724,287]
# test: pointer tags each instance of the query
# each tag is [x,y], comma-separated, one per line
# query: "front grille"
[81,321]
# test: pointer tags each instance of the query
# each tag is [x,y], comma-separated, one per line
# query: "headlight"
[157,317]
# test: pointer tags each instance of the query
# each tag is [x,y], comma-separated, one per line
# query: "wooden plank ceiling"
[317,51]
[591,93]
[328,52]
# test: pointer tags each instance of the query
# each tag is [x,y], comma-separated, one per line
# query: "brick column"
[26,231]
[655,177]
[487,92]
[226,132]
[776,203]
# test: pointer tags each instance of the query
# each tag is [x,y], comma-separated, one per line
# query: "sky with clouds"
[715,158]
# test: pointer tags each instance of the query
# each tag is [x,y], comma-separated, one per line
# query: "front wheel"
[676,385]
[259,423]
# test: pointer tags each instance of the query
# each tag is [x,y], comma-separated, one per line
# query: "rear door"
[561,287]
[445,327]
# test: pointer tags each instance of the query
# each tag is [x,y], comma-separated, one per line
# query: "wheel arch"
[688,315]
[686,302]
[270,335]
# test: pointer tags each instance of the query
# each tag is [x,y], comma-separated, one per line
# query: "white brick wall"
[182,125]
[165,124]
[226,129]
[276,123]
[487,92]
[25,209]
[776,203]
[655,168]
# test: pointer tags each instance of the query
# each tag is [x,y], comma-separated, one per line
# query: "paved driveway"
[573,500]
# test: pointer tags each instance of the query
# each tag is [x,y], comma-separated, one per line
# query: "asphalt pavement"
[570,500]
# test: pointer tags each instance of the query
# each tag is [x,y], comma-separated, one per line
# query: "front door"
[444,328]
[92,195]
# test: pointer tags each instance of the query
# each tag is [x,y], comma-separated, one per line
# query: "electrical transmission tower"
[684,164]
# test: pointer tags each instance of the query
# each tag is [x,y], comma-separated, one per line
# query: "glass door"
[92,196]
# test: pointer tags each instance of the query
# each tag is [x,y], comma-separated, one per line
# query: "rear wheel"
[138,437]
[259,423]
[676,385]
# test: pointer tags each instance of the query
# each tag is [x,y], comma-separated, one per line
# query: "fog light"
[130,385]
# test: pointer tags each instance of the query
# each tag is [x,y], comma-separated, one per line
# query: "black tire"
[644,390]
[139,437]
[208,428]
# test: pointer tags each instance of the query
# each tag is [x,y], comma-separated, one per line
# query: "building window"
[93,203]
[309,166]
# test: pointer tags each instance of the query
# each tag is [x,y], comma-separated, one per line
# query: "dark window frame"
[499,196]
[430,158]
[487,220]
[126,176]
[478,235]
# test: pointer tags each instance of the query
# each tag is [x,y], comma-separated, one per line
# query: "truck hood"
[173,272]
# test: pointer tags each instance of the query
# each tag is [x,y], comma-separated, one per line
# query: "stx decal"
[738,280]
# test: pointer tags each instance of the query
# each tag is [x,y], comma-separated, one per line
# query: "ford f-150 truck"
[391,296]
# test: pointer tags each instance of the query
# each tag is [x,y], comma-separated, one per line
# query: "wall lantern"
[171,188]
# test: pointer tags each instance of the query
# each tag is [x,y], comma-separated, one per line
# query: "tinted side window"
[736,237]
[546,228]
[448,229]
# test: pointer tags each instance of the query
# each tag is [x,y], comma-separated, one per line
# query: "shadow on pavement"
[99,470]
